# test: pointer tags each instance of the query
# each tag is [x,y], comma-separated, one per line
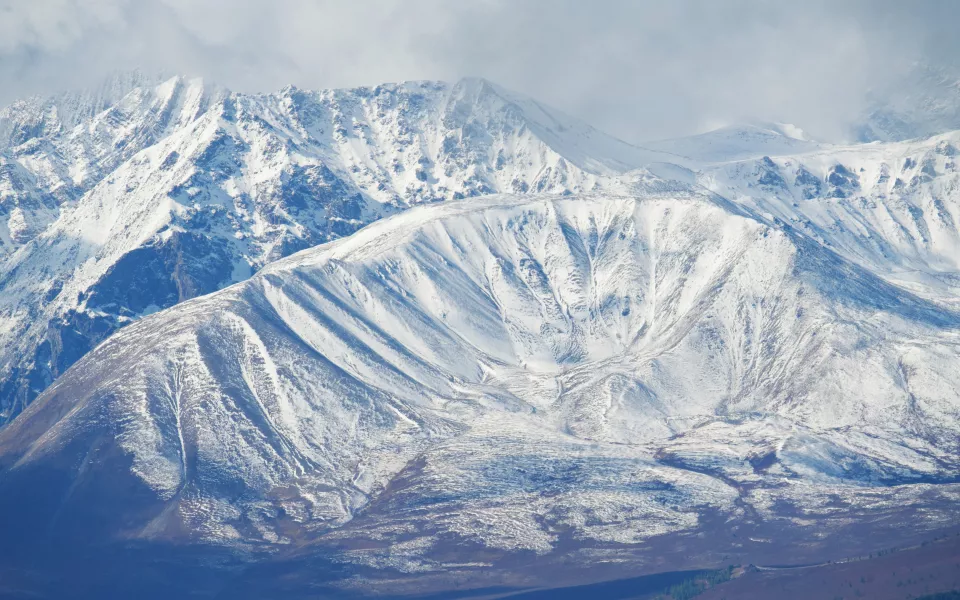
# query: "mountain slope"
[892,208]
[55,149]
[195,188]
[507,376]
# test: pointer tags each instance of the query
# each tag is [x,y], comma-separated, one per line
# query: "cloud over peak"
[642,70]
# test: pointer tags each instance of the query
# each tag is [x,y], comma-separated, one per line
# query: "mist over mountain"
[641,70]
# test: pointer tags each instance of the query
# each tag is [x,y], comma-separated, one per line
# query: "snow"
[897,216]
[447,312]
[738,142]
[532,354]
[258,175]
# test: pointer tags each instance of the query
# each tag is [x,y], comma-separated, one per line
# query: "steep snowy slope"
[512,374]
[197,188]
[53,150]
[893,208]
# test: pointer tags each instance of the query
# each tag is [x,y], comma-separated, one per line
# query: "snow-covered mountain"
[893,208]
[508,375]
[126,201]
[53,150]
[460,330]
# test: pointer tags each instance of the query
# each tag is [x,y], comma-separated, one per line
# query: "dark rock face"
[68,338]
[843,182]
[945,148]
[317,188]
[769,174]
[159,275]
[810,184]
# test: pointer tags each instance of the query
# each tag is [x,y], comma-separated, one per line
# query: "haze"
[640,70]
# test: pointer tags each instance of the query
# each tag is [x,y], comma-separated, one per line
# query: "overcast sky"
[639,70]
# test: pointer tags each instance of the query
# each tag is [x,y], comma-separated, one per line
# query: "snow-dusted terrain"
[124,202]
[499,371]
[459,329]
[893,208]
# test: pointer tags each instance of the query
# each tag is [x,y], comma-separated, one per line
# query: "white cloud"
[638,69]
[53,25]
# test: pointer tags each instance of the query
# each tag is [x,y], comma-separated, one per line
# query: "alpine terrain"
[122,202]
[442,338]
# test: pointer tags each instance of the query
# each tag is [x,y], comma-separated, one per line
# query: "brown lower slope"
[905,574]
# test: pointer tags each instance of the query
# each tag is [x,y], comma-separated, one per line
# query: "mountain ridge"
[223,183]
[422,336]
[490,372]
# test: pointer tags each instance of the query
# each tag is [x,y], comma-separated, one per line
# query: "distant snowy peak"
[50,116]
[923,103]
[471,119]
[578,142]
[739,142]
[890,207]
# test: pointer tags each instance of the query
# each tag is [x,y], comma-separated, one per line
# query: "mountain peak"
[739,142]
[207,186]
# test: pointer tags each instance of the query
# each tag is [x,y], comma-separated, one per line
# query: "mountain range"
[115,205]
[431,336]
